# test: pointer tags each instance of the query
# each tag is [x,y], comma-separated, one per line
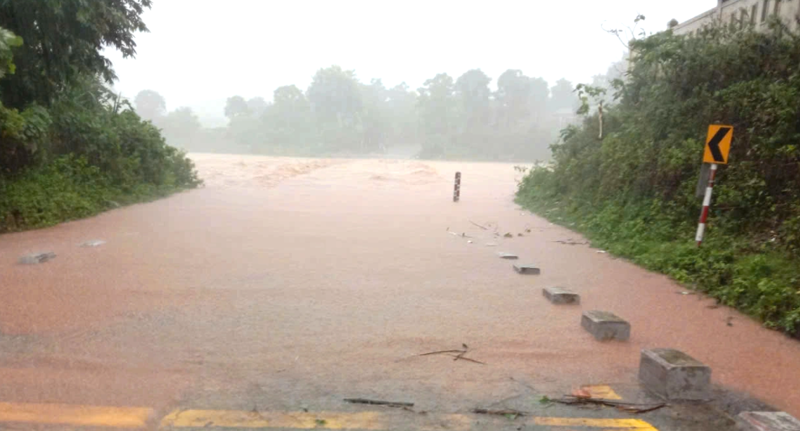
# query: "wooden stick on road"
[476,224]
[378,402]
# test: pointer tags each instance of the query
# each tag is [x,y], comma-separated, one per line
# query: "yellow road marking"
[126,417]
[616,424]
[301,420]
[367,421]
[602,391]
[62,414]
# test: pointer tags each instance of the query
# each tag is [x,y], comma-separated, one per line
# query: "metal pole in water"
[457,188]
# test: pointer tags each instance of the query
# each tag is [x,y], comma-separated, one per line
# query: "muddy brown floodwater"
[292,283]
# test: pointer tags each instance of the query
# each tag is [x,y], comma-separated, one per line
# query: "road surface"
[286,285]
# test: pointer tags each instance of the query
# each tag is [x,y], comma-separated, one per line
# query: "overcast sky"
[199,52]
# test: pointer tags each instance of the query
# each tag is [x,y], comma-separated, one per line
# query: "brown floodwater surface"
[293,283]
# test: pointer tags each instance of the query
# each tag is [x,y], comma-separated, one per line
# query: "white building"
[741,13]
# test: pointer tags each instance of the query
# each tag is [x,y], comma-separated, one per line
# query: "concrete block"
[674,375]
[767,421]
[527,269]
[605,326]
[558,295]
[34,258]
[510,256]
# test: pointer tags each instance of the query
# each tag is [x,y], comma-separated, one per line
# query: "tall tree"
[335,99]
[334,95]
[513,96]
[436,106]
[288,119]
[236,107]
[181,127]
[373,118]
[538,100]
[472,89]
[150,105]
[257,106]
[563,96]
[401,111]
[63,40]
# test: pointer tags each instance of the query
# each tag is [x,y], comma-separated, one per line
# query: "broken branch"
[464,358]
[441,352]
[627,407]
[504,412]
[378,402]
[476,224]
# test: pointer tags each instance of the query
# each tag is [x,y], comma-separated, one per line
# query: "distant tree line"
[339,114]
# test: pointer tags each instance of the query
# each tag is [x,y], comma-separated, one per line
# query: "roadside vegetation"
[632,190]
[69,147]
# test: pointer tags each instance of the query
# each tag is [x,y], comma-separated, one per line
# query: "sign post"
[718,146]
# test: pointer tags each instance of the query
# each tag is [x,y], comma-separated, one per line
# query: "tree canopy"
[70,147]
[63,41]
[150,105]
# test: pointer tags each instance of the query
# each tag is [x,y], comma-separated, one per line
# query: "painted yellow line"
[366,421]
[615,424]
[63,414]
[301,420]
[602,391]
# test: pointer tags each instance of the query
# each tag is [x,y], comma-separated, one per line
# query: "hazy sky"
[199,52]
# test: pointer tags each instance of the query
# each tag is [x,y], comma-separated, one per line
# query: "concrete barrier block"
[34,258]
[527,269]
[510,256]
[605,326]
[674,375]
[767,421]
[558,295]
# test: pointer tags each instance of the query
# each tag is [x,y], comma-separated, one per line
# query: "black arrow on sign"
[713,144]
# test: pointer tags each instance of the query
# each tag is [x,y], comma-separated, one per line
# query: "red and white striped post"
[701,228]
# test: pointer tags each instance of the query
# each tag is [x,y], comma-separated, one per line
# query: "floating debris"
[93,243]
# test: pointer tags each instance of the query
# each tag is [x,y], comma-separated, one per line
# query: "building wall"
[742,13]
[696,23]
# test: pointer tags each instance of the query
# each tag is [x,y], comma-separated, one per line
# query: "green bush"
[70,148]
[65,189]
[633,190]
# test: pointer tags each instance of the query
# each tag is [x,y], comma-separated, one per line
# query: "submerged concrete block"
[605,326]
[527,269]
[674,375]
[34,258]
[558,295]
[504,255]
[768,421]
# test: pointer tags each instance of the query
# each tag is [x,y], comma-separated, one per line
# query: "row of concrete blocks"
[668,373]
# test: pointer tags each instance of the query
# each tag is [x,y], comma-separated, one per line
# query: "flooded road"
[290,284]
